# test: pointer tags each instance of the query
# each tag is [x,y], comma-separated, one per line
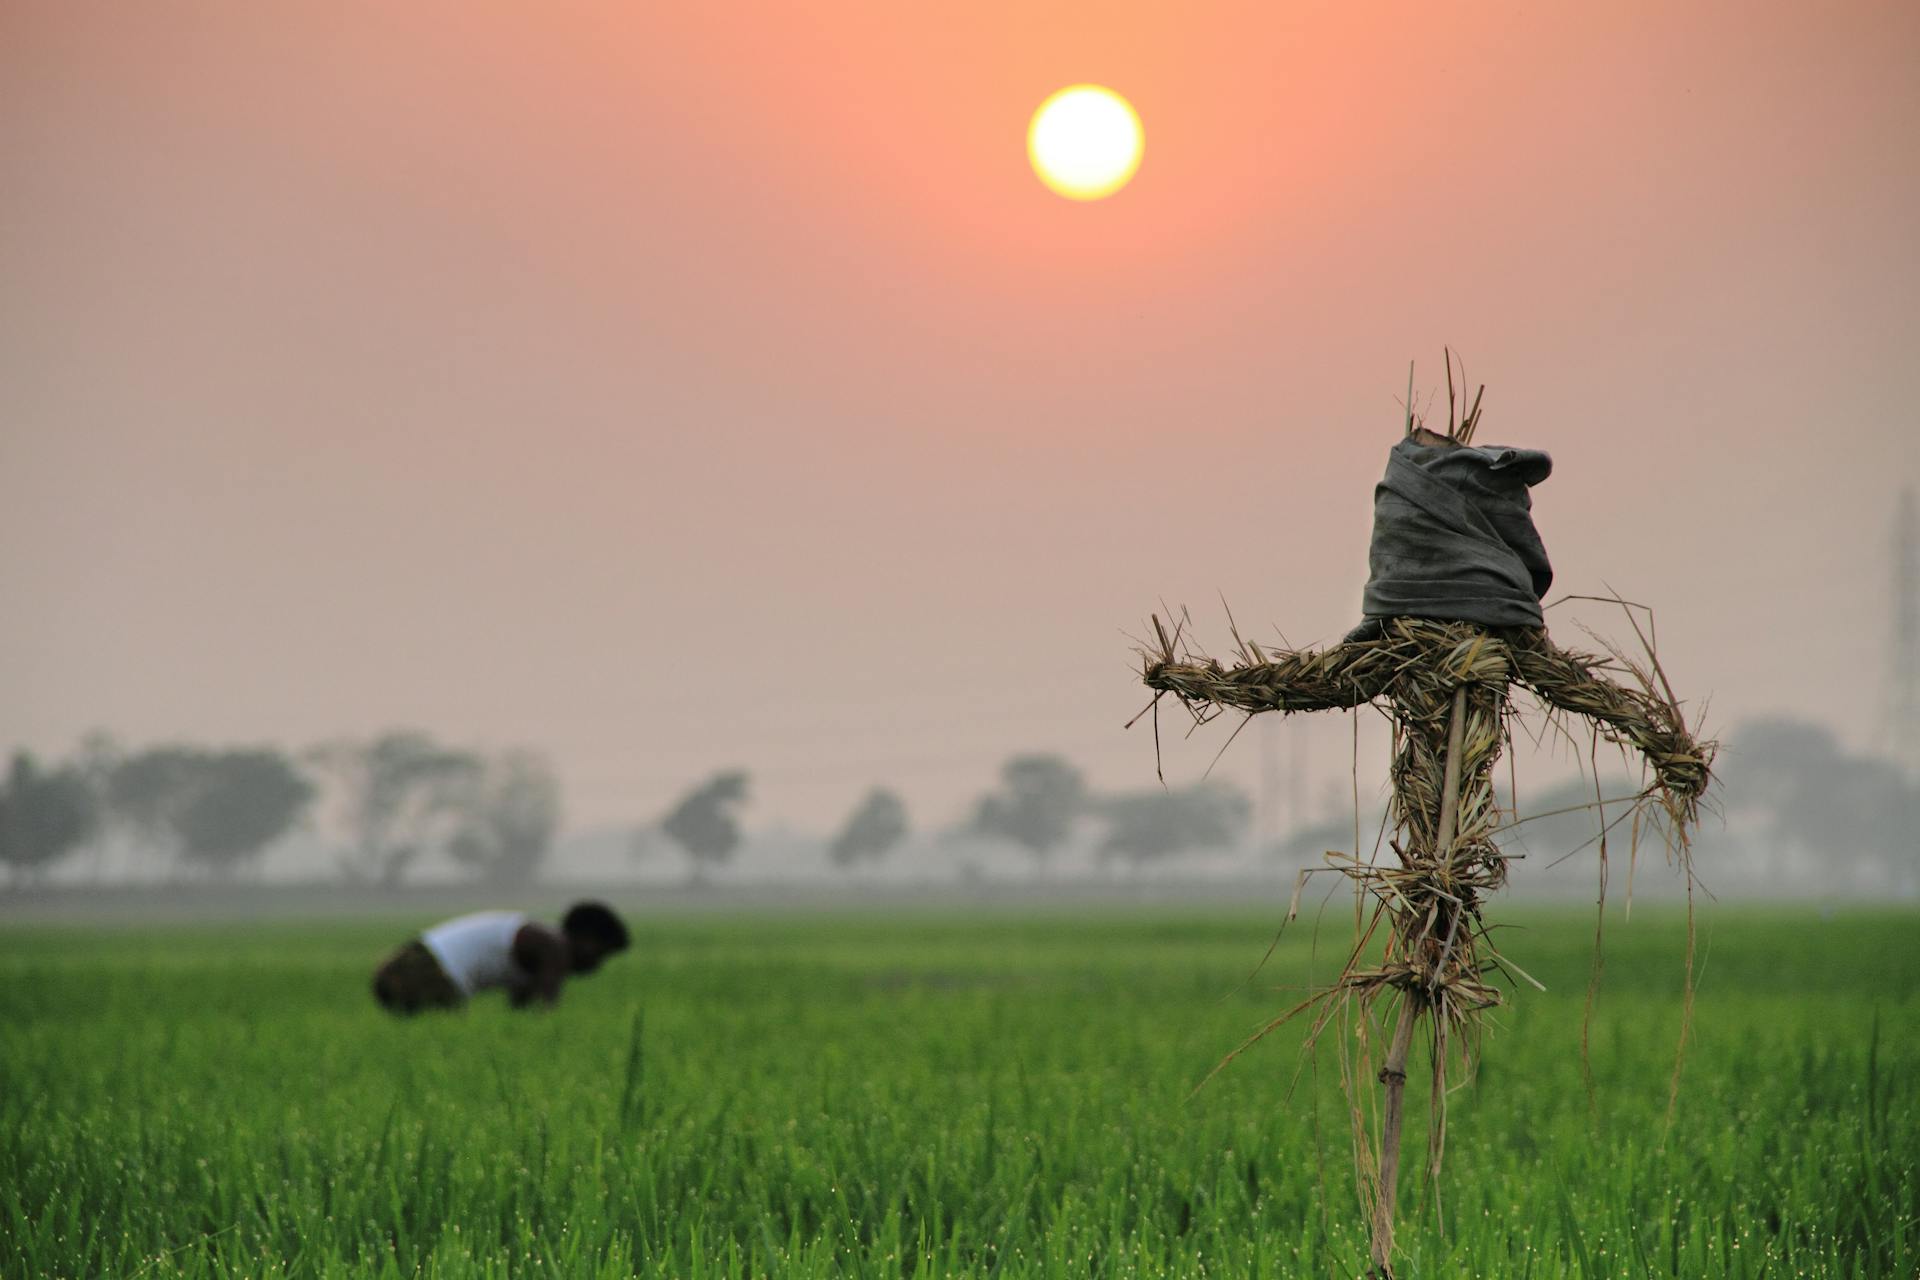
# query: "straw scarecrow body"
[1453,623]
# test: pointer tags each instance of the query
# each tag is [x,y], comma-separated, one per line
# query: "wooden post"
[1394,1076]
[1393,1073]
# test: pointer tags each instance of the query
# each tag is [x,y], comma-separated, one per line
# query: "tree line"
[1793,811]
[395,802]
[214,811]
[1038,805]
[1801,811]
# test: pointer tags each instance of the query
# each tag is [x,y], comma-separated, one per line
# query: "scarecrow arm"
[1345,675]
[1640,718]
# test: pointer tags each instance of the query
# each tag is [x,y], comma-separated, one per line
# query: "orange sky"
[675,386]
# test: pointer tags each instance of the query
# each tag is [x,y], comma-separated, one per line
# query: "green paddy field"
[926,1093]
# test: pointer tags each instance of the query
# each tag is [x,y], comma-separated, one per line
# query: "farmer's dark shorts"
[411,980]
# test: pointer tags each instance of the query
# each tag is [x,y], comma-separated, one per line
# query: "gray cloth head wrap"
[1453,536]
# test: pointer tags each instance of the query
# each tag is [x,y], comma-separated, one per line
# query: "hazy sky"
[671,386]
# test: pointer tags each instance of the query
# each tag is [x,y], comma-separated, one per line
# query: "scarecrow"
[1452,623]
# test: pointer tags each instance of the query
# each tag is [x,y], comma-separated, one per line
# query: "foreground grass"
[940,1096]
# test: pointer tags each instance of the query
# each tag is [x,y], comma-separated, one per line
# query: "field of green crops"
[931,1094]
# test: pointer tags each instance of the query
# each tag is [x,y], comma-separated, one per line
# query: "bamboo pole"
[1394,1076]
[1393,1073]
[1450,787]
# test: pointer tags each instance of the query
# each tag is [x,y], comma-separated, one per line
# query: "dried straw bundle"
[1445,687]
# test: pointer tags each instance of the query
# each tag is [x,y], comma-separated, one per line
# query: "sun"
[1085,142]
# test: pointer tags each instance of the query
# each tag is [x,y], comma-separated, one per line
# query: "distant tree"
[98,756]
[242,801]
[217,810]
[145,790]
[1781,766]
[1039,799]
[874,828]
[1568,816]
[1855,817]
[405,796]
[1145,826]
[45,814]
[513,816]
[705,822]
[1308,845]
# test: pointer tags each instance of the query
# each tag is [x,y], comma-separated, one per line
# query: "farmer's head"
[593,933]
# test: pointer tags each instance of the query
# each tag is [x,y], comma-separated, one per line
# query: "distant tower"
[1902,711]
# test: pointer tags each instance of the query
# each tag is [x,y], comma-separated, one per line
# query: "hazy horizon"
[717,386]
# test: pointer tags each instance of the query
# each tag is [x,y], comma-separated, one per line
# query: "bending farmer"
[450,962]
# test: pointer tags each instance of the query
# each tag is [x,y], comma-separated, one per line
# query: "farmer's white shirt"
[476,950]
